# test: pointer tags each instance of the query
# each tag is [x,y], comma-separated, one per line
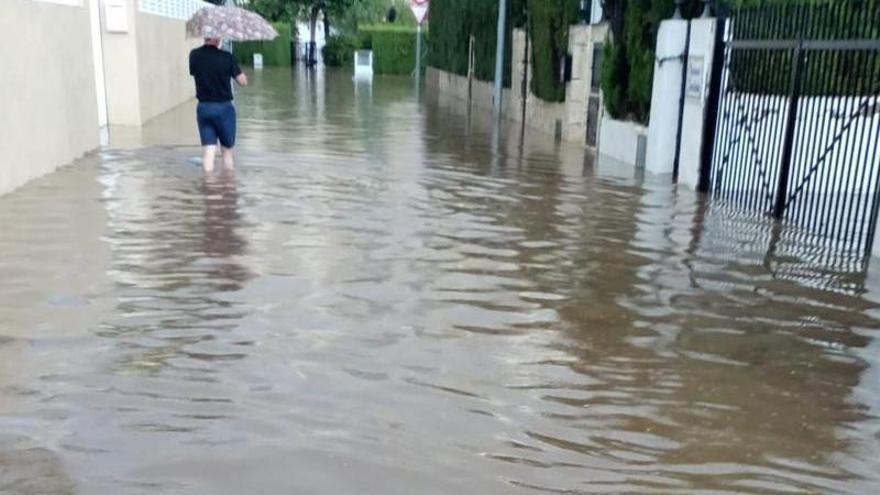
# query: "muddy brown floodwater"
[380,301]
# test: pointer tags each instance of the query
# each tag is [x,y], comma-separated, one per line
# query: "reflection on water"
[378,303]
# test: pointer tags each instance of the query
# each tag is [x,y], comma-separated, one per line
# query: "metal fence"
[798,118]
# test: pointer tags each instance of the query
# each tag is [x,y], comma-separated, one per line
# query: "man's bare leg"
[228,159]
[208,158]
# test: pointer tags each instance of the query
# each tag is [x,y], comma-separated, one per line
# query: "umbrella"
[231,23]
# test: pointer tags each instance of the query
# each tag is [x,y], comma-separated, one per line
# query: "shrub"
[453,22]
[275,52]
[394,47]
[614,70]
[628,63]
[549,25]
[339,51]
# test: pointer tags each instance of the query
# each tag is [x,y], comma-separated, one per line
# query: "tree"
[291,10]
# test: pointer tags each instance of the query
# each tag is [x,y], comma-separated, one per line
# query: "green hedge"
[628,60]
[275,52]
[550,21]
[453,22]
[394,47]
[339,51]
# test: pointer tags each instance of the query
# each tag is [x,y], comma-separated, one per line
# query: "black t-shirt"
[213,70]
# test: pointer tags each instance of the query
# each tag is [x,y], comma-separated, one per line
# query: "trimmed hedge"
[339,51]
[453,22]
[550,21]
[628,60]
[275,52]
[394,47]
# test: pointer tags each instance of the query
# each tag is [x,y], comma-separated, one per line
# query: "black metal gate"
[593,102]
[798,118]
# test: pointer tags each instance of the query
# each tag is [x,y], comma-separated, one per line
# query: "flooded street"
[380,303]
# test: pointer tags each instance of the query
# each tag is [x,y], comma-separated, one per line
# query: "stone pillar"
[577,91]
[699,75]
[515,101]
[665,97]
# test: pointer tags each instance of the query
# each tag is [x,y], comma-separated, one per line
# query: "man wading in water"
[213,70]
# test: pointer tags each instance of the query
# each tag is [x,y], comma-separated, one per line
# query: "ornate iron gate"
[798,118]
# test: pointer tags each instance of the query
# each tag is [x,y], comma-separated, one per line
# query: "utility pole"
[499,57]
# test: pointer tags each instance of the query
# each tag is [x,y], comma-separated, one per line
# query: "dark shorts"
[216,123]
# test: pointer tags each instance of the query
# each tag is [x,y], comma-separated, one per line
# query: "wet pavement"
[383,301]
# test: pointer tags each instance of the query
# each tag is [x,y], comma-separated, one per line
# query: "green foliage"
[450,35]
[337,11]
[549,22]
[627,69]
[454,22]
[827,72]
[614,69]
[275,52]
[276,10]
[374,12]
[628,63]
[393,45]
[339,51]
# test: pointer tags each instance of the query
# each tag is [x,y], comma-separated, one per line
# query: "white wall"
[121,72]
[619,140]
[163,64]
[665,97]
[876,251]
[98,60]
[147,67]
[47,89]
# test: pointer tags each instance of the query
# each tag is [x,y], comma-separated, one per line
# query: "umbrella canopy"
[231,23]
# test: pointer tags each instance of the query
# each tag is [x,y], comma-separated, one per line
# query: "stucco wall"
[163,57]
[455,86]
[147,67]
[48,115]
[666,96]
[619,140]
[121,73]
[546,117]
[581,41]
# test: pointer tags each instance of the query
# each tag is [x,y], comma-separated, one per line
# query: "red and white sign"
[420,9]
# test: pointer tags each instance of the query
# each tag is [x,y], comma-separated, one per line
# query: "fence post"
[710,125]
[676,160]
[471,64]
[790,126]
